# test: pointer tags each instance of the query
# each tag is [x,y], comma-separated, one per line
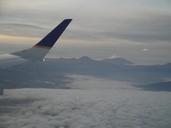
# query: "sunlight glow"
[17,39]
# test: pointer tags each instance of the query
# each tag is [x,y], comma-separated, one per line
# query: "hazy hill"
[53,73]
[161,86]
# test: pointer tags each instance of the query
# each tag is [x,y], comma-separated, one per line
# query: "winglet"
[54,35]
[39,51]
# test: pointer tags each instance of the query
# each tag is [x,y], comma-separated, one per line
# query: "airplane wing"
[38,51]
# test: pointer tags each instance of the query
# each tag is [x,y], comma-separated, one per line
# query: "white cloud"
[145,50]
[113,57]
[85,107]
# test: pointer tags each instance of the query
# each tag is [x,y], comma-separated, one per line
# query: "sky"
[137,30]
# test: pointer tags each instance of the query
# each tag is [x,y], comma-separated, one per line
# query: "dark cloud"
[144,28]
[16,29]
[2,2]
[133,26]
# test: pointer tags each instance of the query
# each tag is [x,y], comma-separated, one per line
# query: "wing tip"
[67,20]
[49,40]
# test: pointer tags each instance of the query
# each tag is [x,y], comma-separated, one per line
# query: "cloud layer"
[85,108]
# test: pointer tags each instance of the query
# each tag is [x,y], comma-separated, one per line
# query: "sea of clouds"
[92,106]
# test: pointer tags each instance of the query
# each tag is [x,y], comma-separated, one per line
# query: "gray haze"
[136,30]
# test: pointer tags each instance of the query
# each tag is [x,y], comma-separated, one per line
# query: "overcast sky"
[138,30]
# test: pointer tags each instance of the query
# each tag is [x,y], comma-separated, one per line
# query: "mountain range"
[55,72]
